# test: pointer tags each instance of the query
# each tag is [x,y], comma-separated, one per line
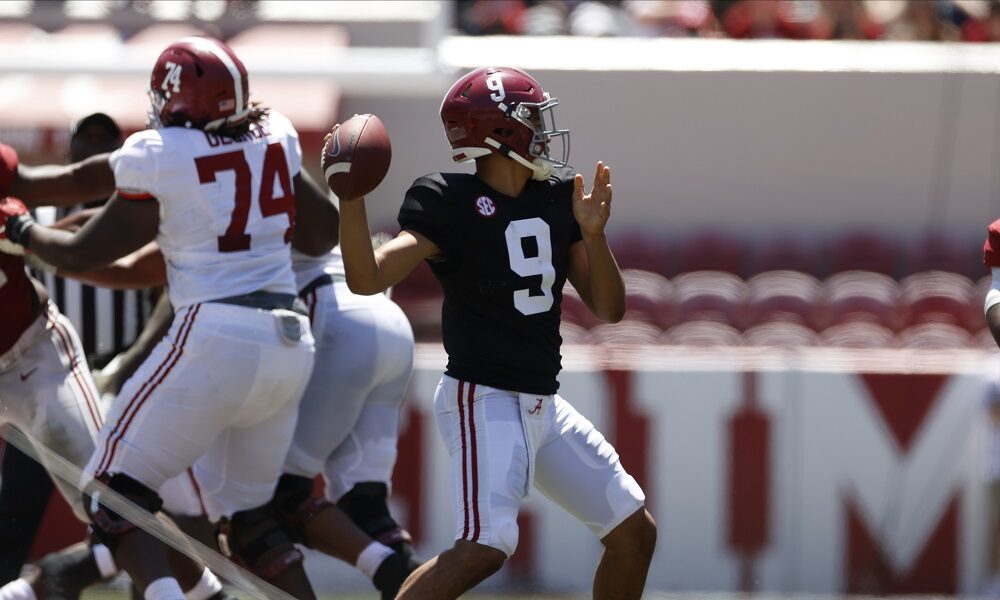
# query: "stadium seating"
[712,295]
[625,333]
[572,333]
[702,333]
[780,334]
[935,336]
[785,296]
[864,296]
[857,334]
[939,297]
[650,297]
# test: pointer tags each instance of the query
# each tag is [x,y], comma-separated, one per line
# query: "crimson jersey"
[17,295]
[991,249]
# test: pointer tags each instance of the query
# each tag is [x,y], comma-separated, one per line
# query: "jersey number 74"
[236,238]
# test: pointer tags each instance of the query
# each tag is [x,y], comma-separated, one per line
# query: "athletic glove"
[15,221]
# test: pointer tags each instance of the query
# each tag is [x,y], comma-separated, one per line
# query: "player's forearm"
[607,289]
[360,266]
[64,185]
[140,270]
[317,220]
[59,249]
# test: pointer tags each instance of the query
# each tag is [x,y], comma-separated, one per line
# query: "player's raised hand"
[592,210]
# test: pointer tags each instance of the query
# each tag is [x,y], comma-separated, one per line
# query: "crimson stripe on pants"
[92,406]
[148,386]
[197,491]
[475,463]
[465,475]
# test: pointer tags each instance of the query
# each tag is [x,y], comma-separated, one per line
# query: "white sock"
[164,588]
[208,586]
[371,558]
[105,562]
[17,590]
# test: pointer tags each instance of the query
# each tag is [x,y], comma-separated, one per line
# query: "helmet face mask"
[504,110]
[541,119]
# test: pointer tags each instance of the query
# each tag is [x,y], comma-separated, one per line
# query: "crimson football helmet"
[198,82]
[504,110]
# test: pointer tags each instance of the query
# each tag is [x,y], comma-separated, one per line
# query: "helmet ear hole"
[503,132]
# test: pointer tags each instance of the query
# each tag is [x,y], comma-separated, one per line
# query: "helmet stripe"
[212,46]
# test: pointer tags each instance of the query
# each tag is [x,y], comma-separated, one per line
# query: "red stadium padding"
[711,251]
[702,333]
[857,334]
[935,336]
[940,297]
[786,296]
[862,296]
[863,252]
[643,252]
[780,334]
[712,295]
[782,254]
[941,253]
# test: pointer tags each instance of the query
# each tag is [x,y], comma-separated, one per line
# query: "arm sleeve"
[991,248]
[8,168]
[135,166]
[427,211]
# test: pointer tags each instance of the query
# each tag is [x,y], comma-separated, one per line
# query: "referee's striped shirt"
[108,321]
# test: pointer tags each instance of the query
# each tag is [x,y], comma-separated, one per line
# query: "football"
[356,156]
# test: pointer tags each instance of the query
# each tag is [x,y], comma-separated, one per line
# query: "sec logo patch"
[485,206]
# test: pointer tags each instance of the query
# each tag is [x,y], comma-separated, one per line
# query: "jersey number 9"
[536,265]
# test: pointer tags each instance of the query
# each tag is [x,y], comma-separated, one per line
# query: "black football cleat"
[391,574]
[66,573]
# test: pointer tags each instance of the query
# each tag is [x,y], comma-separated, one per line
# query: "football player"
[349,427]
[502,242]
[991,259]
[214,182]
[348,423]
[46,390]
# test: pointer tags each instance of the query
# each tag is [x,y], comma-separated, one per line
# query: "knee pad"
[294,506]
[108,525]
[367,506]
[254,539]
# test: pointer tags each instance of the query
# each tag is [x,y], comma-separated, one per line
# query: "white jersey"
[226,205]
[308,268]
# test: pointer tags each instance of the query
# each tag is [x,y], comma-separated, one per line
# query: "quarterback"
[502,242]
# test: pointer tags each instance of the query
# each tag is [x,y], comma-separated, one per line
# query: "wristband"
[17,229]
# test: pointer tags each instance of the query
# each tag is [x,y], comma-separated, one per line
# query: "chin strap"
[540,169]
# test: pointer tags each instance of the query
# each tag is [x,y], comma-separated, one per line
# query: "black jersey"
[503,268]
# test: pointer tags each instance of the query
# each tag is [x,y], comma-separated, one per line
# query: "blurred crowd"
[908,20]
